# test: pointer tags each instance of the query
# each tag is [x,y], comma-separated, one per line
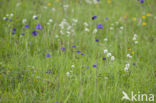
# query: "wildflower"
[111,28]
[129,56]
[99,26]
[49,71]
[86,29]
[10,19]
[143,17]
[121,27]
[105,39]
[68,74]
[94,17]
[74,46]
[105,51]
[48,55]
[73,66]
[34,17]
[134,63]
[148,14]
[106,18]
[49,4]
[103,58]
[126,69]
[129,49]
[5,18]
[134,18]
[132,52]
[87,67]
[108,54]
[23,34]
[50,20]
[24,20]
[13,33]
[144,23]
[136,42]
[112,58]
[95,31]
[86,24]
[82,54]
[78,52]
[14,29]
[34,33]
[38,26]
[94,66]
[26,26]
[97,40]
[63,49]
[141,1]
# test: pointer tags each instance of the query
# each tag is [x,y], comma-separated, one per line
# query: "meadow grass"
[27,75]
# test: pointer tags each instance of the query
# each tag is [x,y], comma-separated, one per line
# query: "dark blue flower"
[98,0]
[142,1]
[26,26]
[49,71]
[97,40]
[106,18]
[87,67]
[78,52]
[63,49]
[34,33]
[13,32]
[48,55]
[74,46]
[6,19]
[94,17]
[82,54]
[14,29]
[23,34]
[10,19]
[99,26]
[103,58]
[94,66]
[38,26]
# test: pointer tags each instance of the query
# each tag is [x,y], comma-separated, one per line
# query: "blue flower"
[13,33]
[78,52]
[99,26]
[6,19]
[94,17]
[74,46]
[87,67]
[49,71]
[103,58]
[48,55]
[142,1]
[14,29]
[63,49]
[10,19]
[94,66]
[97,40]
[23,34]
[26,26]
[106,18]
[38,26]
[82,54]
[34,33]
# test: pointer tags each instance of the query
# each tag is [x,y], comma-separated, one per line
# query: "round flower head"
[38,26]
[94,17]
[103,58]
[14,29]
[87,67]
[94,66]
[82,54]
[48,55]
[63,49]
[23,34]
[97,40]
[34,33]
[106,18]
[74,46]
[142,1]
[26,26]
[99,26]
[13,33]
[78,52]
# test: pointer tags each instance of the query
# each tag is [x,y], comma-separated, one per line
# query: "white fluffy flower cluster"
[109,54]
[134,39]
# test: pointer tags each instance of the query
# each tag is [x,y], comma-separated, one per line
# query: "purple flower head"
[34,33]
[74,46]
[87,67]
[63,49]
[82,54]
[78,52]
[48,55]
[142,1]
[49,71]
[13,33]
[6,19]
[99,26]
[94,17]
[10,19]
[94,66]
[38,26]
[103,58]
[97,40]
[26,26]
[14,29]
[23,34]
[98,0]
[106,18]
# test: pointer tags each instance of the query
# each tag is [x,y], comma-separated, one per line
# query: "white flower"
[24,20]
[121,27]
[68,74]
[75,20]
[127,65]
[109,54]
[86,29]
[111,28]
[117,22]
[34,17]
[126,69]
[7,14]
[129,56]
[95,31]
[136,42]
[4,18]
[50,20]
[86,24]
[45,7]
[11,14]
[61,32]
[53,9]
[73,66]
[105,39]
[56,36]
[112,58]
[105,50]
[134,38]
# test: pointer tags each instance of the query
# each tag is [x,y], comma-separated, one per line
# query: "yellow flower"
[129,48]
[143,17]
[49,4]
[148,14]
[144,23]
[109,1]
[134,18]
[8,71]
[132,52]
